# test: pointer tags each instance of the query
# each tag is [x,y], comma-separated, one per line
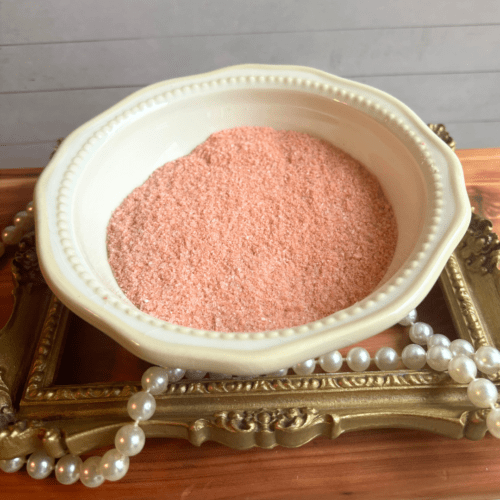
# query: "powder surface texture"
[255,230]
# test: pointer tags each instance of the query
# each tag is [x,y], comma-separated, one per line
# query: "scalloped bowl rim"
[72,280]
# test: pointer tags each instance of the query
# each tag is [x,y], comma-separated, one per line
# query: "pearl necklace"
[458,358]
[23,222]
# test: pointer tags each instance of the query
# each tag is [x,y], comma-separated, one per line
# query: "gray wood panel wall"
[64,61]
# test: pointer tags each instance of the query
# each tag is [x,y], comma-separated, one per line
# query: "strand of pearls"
[458,358]
[23,222]
[129,441]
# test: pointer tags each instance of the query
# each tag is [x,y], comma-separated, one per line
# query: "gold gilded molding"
[7,413]
[471,284]
[19,336]
[266,411]
[77,393]
[475,424]
[25,268]
[21,436]
[268,428]
[268,420]
[27,273]
[240,413]
[440,130]
[320,382]
[25,436]
[468,317]
[480,248]
[38,372]
[313,383]
[56,147]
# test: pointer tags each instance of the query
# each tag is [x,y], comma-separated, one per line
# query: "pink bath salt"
[257,229]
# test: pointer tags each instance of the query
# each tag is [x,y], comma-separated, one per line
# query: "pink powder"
[256,229]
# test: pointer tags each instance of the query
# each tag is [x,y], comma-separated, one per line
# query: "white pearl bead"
[175,374]
[420,333]
[414,357]
[438,358]
[68,469]
[493,422]
[438,339]
[155,380]
[141,406]
[195,374]
[409,319]
[461,346]
[130,440]
[20,217]
[114,465]
[278,373]
[23,221]
[91,472]
[386,358]
[13,464]
[487,360]
[482,393]
[305,367]
[358,359]
[462,369]
[30,208]
[331,362]
[39,465]
[11,235]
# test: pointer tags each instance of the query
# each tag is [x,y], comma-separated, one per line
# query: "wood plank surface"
[16,189]
[446,97]
[350,54]
[474,135]
[58,55]
[382,464]
[45,116]
[30,155]
[24,21]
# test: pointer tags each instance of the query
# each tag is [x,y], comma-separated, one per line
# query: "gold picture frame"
[38,412]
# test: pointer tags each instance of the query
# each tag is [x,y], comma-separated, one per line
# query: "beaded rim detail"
[381,114]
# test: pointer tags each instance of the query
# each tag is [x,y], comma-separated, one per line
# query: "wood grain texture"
[381,464]
[17,190]
[24,21]
[483,183]
[388,464]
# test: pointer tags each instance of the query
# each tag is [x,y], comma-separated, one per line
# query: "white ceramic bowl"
[105,159]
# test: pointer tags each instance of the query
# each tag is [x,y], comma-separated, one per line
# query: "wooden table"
[381,464]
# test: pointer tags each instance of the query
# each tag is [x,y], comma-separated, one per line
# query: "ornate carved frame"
[264,412]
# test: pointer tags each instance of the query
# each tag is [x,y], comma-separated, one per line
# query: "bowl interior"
[138,147]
